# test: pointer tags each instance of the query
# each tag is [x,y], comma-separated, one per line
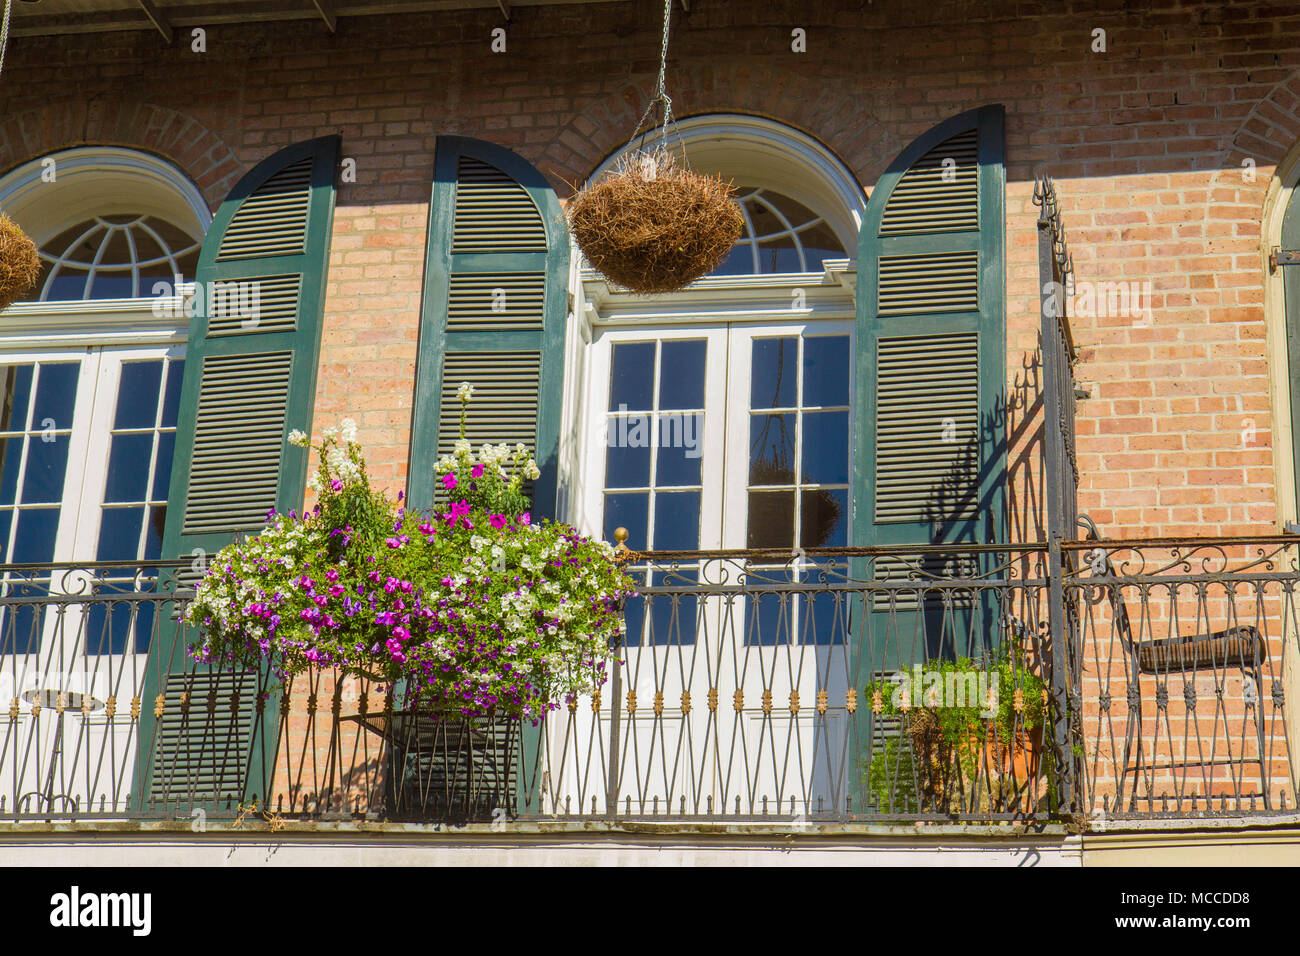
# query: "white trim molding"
[51,193]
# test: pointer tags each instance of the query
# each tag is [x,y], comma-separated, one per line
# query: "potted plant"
[474,613]
[972,736]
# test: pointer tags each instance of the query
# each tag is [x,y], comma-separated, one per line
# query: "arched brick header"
[192,147]
[1271,128]
[833,114]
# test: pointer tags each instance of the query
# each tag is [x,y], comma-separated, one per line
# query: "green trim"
[989,321]
[304,343]
[1291,296]
[436,341]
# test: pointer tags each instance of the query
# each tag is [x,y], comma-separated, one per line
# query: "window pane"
[629,511]
[770,616]
[631,382]
[677,521]
[47,461]
[779,255]
[826,370]
[773,373]
[771,519]
[112,285]
[824,518]
[34,537]
[627,460]
[162,474]
[826,448]
[172,400]
[672,617]
[11,452]
[17,392]
[137,394]
[128,467]
[771,449]
[56,394]
[119,534]
[680,450]
[67,284]
[154,533]
[6,521]
[681,377]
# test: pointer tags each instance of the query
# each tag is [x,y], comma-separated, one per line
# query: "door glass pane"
[826,370]
[56,394]
[47,461]
[681,383]
[137,395]
[631,381]
[774,373]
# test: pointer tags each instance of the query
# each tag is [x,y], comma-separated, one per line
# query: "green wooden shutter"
[495,302]
[250,378]
[930,425]
[1291,295]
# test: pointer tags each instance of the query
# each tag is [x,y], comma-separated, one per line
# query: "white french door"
[720,437]
[87,447]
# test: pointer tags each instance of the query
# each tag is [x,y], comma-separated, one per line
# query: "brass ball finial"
[620,535]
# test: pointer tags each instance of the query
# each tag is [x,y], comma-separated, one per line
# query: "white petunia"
[298,437]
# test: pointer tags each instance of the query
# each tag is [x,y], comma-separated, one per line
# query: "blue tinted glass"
[119,534]
[681,440]
[11,458]
[634,613]
[771,519]
[739,261]
[21,625]
[826,370]
[34,536]
[17,392]
[770,616]
[67,285]
[821,621]
[824,519]
[672,617]
[631,376]
[774,373]
[112,285]
[681,375]
[56,395]
[172,399]
[137,394]
[154,533]
[779,255]
[6,521]
[47,461]
[627,457]
[825,448]
[108,631]
[162,474]
[128,467]
[677,521]
[771,449]
[629,511]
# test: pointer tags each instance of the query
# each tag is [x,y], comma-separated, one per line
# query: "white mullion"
[654,441]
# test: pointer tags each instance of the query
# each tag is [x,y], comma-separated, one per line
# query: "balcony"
[941,685]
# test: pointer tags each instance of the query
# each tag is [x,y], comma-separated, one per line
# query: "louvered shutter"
[495,302]
[250,378]
[930,429]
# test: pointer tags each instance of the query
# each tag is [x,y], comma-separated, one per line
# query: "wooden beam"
[157,19]
[326,10]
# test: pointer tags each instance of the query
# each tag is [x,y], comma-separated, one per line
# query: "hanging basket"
[654,226]
[19,263]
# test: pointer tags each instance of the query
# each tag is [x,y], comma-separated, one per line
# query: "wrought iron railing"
[835,686]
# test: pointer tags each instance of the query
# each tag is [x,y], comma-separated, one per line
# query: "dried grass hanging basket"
[19,263]
[654,226]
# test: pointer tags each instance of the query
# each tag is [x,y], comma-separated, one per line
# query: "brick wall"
[1146,141]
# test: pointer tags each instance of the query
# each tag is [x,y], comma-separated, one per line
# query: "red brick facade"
[1147,141]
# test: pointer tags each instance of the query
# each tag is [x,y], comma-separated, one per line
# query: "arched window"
[108,222]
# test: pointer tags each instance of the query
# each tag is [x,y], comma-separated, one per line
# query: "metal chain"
[661,89]
[4,35]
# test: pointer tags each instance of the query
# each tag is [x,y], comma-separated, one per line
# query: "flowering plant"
[475,605]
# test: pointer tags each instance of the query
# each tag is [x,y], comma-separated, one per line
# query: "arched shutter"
[495,302]
[250,378]
[930,430]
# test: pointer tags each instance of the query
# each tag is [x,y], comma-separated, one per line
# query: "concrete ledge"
[533,844]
